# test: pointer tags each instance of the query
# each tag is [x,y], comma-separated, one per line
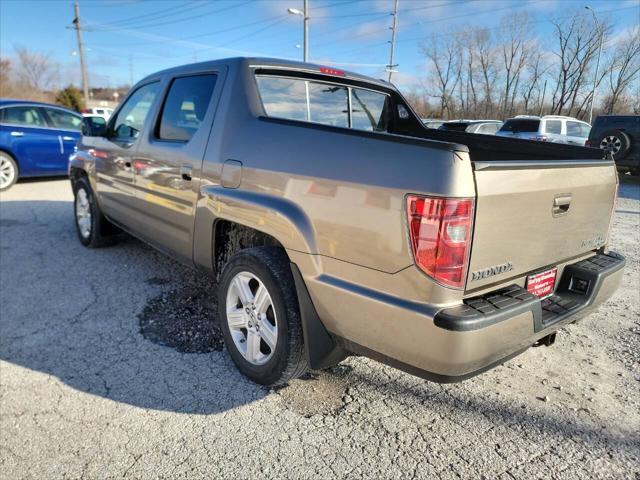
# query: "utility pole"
[83,64]
[391,65]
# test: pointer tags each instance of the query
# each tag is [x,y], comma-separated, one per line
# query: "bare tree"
[443,53]
[35,71]
[578,43]
[623,70]
[514,53]
[535,70]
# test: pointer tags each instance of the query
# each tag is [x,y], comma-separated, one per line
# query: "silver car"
[549,128]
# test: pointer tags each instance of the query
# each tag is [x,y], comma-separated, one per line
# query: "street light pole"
[595,80]
[304,13]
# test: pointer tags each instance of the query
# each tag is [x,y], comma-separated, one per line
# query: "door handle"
[17,134]
[561,204]
[185,172]
[67,138]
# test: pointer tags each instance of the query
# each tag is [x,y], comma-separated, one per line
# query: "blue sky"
[151,35]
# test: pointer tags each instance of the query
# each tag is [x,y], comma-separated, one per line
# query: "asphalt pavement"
[111,366]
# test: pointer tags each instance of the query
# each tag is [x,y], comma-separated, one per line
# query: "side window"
[24,115]
[328,104]
[553,126]
[64,120]
[369,110]
[131,117]
[185,107]
[488,128]
[573,129]
[586,130]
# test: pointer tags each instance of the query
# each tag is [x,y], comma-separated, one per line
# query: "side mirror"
[94,127]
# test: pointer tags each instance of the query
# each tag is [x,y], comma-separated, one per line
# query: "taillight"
[587,143]
[440,235]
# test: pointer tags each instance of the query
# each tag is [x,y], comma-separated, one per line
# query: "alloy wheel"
[7,172]
[251,318]
[83,213]
[611,144]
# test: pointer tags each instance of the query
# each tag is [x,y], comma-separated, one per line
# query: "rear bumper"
[455,343]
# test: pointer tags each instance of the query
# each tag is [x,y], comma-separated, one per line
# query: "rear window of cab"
[324,103]
[521,126]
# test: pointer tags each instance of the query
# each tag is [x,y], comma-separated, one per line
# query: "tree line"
[496,73]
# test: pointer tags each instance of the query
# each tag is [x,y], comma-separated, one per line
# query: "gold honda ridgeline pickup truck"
[336,223]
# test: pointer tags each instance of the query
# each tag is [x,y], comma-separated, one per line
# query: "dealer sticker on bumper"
[541,284]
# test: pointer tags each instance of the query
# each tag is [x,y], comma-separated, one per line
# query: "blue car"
[36,139]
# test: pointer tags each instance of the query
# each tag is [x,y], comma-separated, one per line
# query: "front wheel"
[260,317]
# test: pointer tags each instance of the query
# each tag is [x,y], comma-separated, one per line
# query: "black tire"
[101,232]
[8,167]
[616,142]
[288,359]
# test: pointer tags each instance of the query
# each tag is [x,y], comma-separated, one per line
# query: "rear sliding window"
[520,126]
[324,103]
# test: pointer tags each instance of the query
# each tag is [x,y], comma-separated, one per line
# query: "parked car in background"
[620,135]
[97,111]
[487,127]
[36,139]
[549,128]
[276,177]
[432,122]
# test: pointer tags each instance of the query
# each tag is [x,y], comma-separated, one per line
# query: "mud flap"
[322,350]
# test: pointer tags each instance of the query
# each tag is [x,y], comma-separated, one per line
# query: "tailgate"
[535,214]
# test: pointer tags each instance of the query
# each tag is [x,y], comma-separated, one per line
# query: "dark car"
[36,139]
[620,135]
[486,127]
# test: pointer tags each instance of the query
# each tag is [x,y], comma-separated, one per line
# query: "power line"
[191,37]
[153,16]
[174,21]
[364,34]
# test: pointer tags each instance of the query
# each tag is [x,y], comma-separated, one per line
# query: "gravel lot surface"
[111,367]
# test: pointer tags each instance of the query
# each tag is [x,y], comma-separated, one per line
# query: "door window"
[130,119]
[185,107]
[64,120]
[553,126]
[23,115]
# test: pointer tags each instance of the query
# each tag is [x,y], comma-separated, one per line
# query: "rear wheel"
[8,171]
[615,142]
[260,317]
[94,230]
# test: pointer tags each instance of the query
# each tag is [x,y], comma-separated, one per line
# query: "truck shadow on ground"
[72,313]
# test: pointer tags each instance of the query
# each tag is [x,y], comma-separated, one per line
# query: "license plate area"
[542,284]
